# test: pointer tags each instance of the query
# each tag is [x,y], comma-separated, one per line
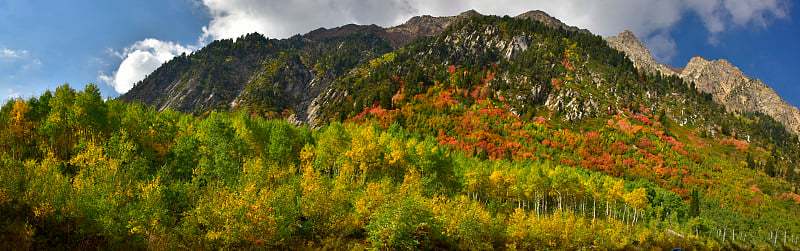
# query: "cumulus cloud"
[8,53]
[140,59]
[281,19]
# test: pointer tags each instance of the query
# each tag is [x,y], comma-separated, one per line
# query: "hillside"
[469,132]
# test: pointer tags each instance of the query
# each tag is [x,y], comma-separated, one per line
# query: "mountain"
[290,75]
[725,82]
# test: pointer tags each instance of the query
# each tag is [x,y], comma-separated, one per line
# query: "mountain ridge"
[293,90]
[726,83]
[302,91]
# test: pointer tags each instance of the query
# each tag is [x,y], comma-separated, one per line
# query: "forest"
[81,172]
[432,149]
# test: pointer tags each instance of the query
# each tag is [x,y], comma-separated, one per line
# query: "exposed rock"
[550,21]
[322,33]
[423,26]
[725,82]
[627,42]
[739,93]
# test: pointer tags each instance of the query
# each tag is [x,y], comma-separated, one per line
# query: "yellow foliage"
[20,125]
[364,154]
[614,189]
[637,198]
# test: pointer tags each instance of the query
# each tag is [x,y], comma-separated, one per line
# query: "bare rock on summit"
[426,26]
[627,42]
[550,21]
[725,82]
[423,26]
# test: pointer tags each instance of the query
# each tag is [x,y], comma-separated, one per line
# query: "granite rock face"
[725,82]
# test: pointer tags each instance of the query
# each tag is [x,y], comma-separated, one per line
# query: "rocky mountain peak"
[423,26]
[469,13]
[628,35]
[550,21]
[627,42]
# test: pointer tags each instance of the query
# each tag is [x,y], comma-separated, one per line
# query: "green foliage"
[433,149]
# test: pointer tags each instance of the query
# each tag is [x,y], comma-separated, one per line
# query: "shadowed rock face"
[725,82]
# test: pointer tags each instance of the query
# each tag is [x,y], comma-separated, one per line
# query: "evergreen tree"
[769,167]
[694,205]
[750,162]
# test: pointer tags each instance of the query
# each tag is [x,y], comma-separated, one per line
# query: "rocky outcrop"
[725,82]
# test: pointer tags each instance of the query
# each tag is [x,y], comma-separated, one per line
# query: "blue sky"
[44,44]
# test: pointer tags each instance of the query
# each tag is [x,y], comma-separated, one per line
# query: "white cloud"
[13,95]
[33,64]
[140,59]
[281,19]
[7,53]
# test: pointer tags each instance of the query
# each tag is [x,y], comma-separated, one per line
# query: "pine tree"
[694,206]
[750,162]
[769,167]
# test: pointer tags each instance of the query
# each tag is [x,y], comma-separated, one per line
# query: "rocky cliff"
[725,82]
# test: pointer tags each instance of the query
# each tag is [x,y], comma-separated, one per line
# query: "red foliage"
[739,144]
[452,69]
[444,99]
[557,83]
[565,62]
[642,118]
[669,140]
[489,77]
[644,144]
[540,120]
[754,188]
[791,196]
[618,148]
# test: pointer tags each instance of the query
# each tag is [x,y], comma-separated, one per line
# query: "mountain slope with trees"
[495,133]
